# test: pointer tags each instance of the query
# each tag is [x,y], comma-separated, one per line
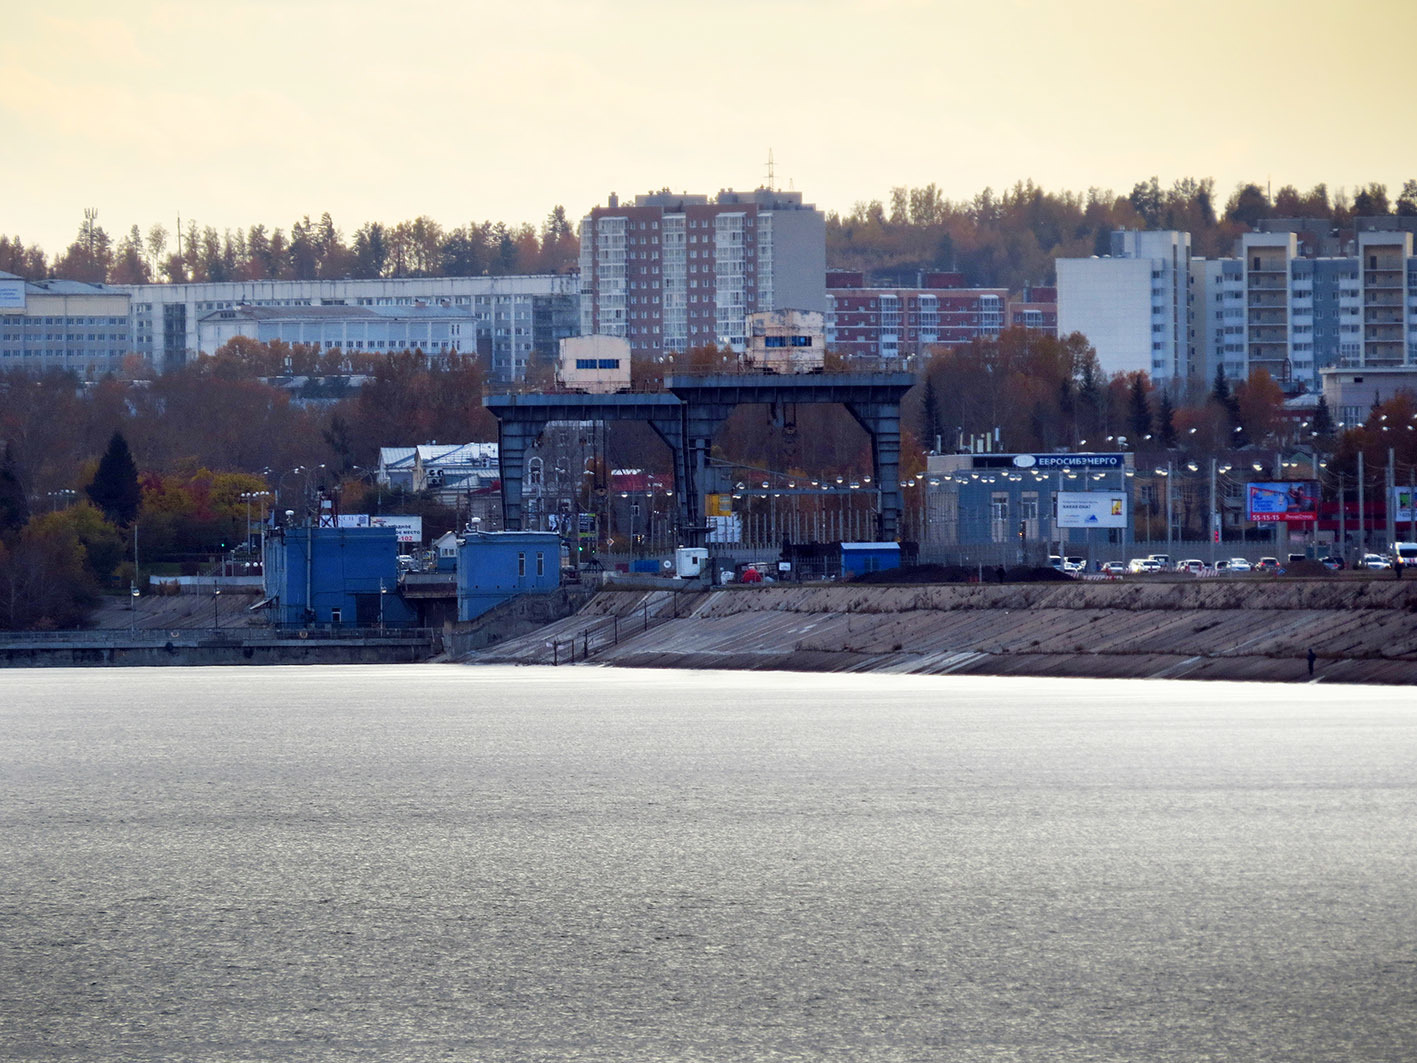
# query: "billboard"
[1090,509]
[1402,508]
[12,295]
[1281,501]
[352,520]
[725,529]
[409,529]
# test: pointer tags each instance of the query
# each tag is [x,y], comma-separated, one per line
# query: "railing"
[607,632]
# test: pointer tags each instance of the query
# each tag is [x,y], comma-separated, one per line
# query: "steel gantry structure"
[688,413]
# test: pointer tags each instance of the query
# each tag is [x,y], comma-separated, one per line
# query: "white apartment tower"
[1134,307]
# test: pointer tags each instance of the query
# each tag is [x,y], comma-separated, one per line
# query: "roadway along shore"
[1260,629]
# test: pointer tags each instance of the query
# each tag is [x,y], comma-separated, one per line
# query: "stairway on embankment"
[1360,630]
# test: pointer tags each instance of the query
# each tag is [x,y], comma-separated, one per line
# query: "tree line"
[306,251]
[1011,239]
[1005,239]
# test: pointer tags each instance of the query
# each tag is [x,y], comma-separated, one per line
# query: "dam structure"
[688,413]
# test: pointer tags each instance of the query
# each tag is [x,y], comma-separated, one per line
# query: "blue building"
[857,559]
[340,577]
[495,566]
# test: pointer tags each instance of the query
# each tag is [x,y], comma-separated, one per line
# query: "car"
[1333,564]
[406,563]
[1238,564]
[1164,560]
[1113,568]
[1144,565]
[1192,565]
[1054,561]
[1374,561]
[1267,564]
[1074,565]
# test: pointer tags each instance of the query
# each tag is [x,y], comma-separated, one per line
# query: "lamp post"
[216,618]
[382,591]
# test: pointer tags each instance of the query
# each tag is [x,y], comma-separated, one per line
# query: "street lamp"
[216,597]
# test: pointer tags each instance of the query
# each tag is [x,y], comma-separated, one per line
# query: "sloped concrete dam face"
[1360,631]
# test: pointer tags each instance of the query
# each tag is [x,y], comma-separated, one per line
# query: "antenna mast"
[770,170]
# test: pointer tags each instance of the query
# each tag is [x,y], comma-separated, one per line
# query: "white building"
[787,341]
[597,365]
[519,314]
[66,325]
[1135,306]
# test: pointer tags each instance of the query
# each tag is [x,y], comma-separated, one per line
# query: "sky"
[263,111]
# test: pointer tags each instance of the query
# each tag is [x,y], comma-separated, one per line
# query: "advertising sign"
[1091,509]
[1402,505]
[353,520]
[409,529]
[12,295]
[1069,461]
[1281,501]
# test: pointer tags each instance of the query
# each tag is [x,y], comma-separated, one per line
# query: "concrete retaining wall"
[1361,631]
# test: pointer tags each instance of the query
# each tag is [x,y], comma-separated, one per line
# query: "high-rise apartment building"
[1134,306]
[1289,302]
[672,272]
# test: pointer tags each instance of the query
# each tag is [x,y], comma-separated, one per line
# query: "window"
[521,565]
[540,564]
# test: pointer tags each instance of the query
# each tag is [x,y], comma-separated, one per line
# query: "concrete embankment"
[1360,630]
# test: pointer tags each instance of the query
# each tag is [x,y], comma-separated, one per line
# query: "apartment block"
[1135,305]
[896,322]
[670,272]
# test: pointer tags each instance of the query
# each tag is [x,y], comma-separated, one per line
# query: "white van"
[1405,552]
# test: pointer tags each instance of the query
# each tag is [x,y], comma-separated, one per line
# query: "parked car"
[1054,561]
[1334,564]
[1075,565]
[1113,568]
[1267,564]
[1239,564]
[1144,565]
[1192,565]
[1164,560]
[1374,561]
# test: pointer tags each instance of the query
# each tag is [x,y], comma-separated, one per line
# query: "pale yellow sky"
[265,110]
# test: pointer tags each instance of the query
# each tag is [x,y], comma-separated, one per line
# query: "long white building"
[518,314]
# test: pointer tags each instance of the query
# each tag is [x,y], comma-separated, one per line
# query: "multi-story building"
[1292,302]
[1134,306]
[518,315]
[66,325]
[673,272]
[939,311]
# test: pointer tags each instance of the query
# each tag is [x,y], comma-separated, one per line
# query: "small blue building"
[857,559]
[495,566]
[341,577]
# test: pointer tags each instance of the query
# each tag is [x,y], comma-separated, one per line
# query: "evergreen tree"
[929,413]
[1323,419]
[1140,416]
[14,510]
[1165,423]
[115,488]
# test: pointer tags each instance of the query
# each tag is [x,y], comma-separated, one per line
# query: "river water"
[460,863]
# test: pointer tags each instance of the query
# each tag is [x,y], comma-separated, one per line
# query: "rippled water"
[444,862]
